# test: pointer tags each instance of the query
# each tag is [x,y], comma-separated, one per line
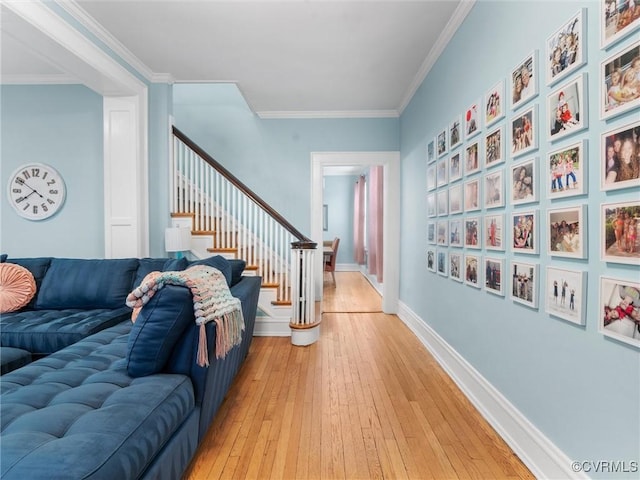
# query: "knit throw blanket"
[212,301]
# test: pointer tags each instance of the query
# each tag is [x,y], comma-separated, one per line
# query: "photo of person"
[565,48]
[455,264]
[455,168]
[472,195]
[442,232]
[471,272]
[524,225]
[493,189]
[442,143]
[524,182]
[472,120]
[620,82]
[620,160]
[493,104]
[566,171]
[566,109]
[620,310]
[471,232]
[524,278]
[455,232]
[564,294]
[620,225]
[431,151]
[442,262]
[494,148]
[431,232]
[524,81]
[431,260]
[566,232]
[455,199]
[455,133]
[493,275]
[618,19]
[493,231]
[442,172]
[524,137]
[471,163]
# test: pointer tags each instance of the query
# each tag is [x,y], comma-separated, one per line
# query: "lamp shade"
[177,239]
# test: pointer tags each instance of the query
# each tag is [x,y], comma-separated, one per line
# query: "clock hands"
[33,190]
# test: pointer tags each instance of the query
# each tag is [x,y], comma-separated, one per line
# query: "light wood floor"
[367,401]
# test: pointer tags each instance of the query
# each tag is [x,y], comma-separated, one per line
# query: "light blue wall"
[60,126]
[338,196]
[579,388]
[273,157]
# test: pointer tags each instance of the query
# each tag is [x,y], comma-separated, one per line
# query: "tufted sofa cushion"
[42,332]
[79,410]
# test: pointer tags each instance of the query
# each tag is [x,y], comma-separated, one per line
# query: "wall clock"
[36,191]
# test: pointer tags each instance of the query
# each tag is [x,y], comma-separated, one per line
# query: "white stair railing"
[241,222]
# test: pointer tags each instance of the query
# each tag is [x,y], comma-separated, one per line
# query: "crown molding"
[266,115]
[461,12]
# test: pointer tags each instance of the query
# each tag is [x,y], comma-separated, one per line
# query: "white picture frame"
[523,182]
[442,142]
[494,275]
[442,172]
[494,232]
[455,166]
[431,259]
[494,142]
[566,48]
[431,151]
[443,202]
[431,177]
[472,158]
[431,205]
[524,283]
[473,119]
[431,233]
[472,232]
[565,294]
[442,232]
[570,165]
[472,194]
[567,109]
[455,133]
[617,317]
[455,266]
[442,262]
[524,232]
[615,70]
[472,270]
[524,132]
[619,232]
[567,231]
[493,189]
[455,199]
[456,232]
[494,104]
[525,72]
[613,24]
[618,168]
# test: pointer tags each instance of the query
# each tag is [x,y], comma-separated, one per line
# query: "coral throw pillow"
[17,287]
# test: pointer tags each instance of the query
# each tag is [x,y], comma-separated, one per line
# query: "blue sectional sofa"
[126,402]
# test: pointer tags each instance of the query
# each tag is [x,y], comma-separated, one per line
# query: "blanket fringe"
[203,355]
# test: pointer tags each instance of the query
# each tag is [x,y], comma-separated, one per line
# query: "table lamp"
[178,240]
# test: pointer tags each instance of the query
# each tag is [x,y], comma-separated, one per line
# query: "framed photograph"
[472,232]
[455,133]
[617,20]
[565,294]
[471,160]
[442,262]
[431,260]
[524,182]
[494,147]
[524,283]
[494,232]
[455,266]
[431,233]
[524,228]
[567,232]
[431,205]
[442,232]
[471,271]
[493,268]
[619,85]
[442,172]
[455,167]
[472,195]
[472,119]
[524,81]
[455,199]
[431,151]
[443,202]
[567,171]
[524,132]
[431,177]
[566,48]
[619,224]
[620,166]
[619,310]
[494,189]
[441,144]
[494,104]
[456,230]
[567,109]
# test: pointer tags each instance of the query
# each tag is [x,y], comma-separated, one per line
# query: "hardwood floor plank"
[367,401]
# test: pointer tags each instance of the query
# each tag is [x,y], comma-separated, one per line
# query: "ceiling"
[289,58]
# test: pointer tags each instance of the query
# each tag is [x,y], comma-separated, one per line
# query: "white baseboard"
[347,267]
[538,453]
[271,327]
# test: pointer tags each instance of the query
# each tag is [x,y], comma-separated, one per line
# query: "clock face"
[36,191]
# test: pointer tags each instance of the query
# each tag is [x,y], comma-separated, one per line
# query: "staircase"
[226,218]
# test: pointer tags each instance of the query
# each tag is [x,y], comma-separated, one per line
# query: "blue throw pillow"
[38,267]
[3,258]
[159,325]
[237,267]
[218,262]
[148,265]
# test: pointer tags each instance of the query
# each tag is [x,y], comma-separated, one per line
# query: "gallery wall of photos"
[486,177]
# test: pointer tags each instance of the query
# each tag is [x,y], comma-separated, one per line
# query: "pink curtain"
[375,221]
[358,222]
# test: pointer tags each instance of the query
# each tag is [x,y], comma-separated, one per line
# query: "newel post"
[305,330]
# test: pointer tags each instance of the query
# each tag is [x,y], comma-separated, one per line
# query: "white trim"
[391,220]
[347,267]
[461,12]
[539,454]
[270,115]
[271,327]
